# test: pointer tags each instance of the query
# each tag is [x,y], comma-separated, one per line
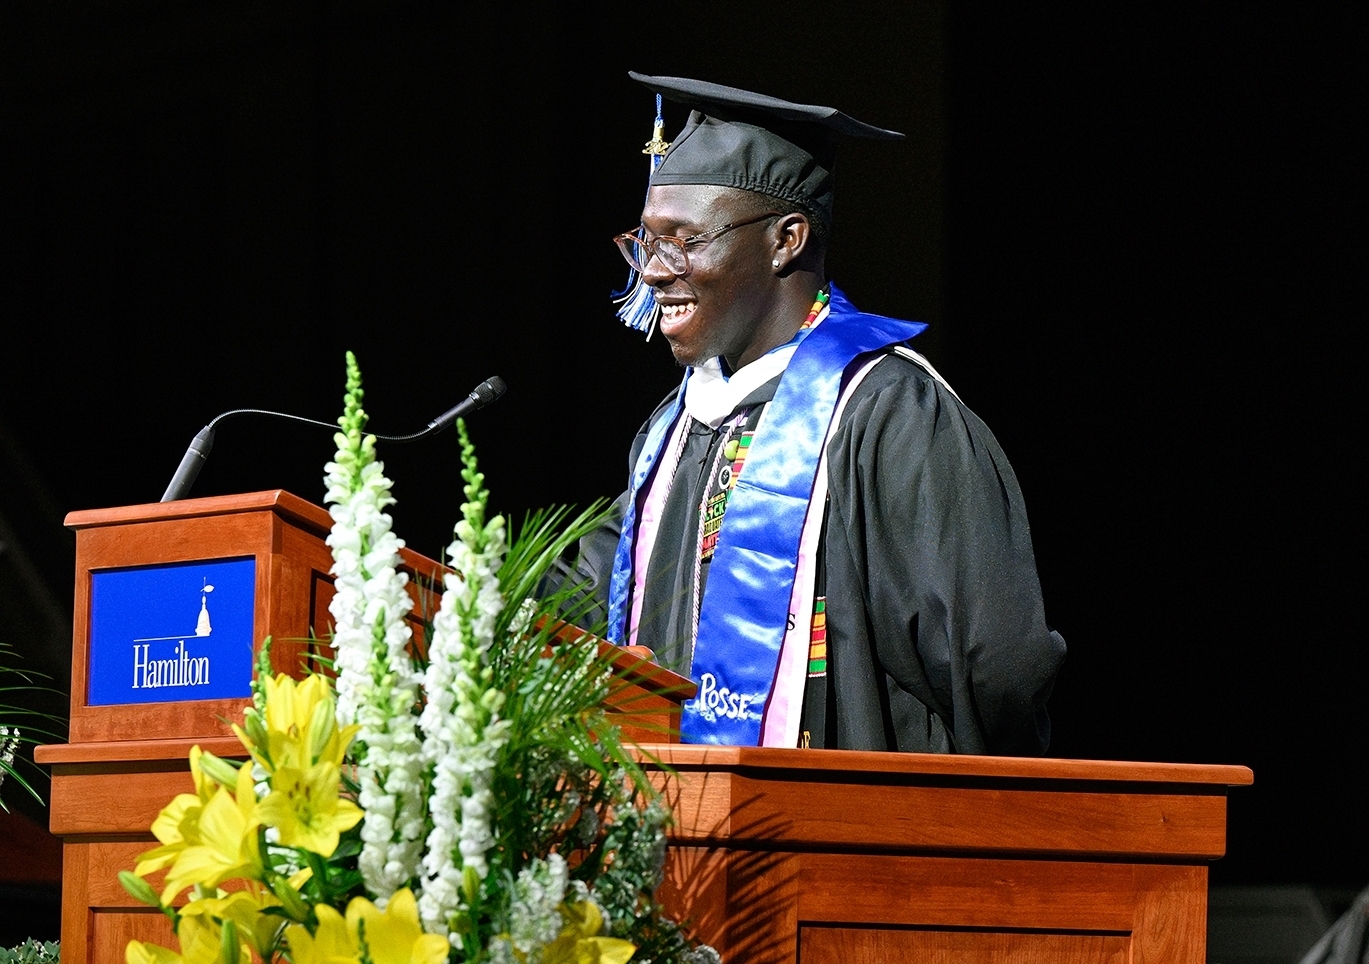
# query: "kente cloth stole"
[746,604]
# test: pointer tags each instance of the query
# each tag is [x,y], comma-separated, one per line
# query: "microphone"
[191,462]
[198,452]
[484,393]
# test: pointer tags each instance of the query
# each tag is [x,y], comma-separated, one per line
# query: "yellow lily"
[395,936]
[201,940]
[305,807]
[579,941]
[333,942]
[282,744]
[227,847]
[300,725]
[139,953]
[177,826]
[325,741]
[245,909]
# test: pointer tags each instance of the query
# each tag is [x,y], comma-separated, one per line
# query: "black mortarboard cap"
[737,138]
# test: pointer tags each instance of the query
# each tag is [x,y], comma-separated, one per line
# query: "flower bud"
[138,888]
[290,900]
[322,725]
[228,943]
[217,769]
[256,729]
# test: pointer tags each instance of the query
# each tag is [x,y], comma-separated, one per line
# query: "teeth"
[676,312]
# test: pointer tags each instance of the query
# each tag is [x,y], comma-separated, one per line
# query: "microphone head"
[489,390]
[484,393]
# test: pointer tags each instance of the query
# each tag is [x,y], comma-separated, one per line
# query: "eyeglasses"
[674,252]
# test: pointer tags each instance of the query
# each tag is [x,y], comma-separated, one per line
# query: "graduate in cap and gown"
[816,530]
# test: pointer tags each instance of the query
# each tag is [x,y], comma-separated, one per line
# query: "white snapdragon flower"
[462,731]
[377,684]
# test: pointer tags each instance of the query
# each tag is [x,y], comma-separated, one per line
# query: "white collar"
[710,398]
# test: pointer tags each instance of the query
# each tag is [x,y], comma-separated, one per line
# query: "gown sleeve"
[936,630]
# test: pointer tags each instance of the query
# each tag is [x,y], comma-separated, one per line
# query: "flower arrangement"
[466,800]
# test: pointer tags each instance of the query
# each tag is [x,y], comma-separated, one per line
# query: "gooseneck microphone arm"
[198,452]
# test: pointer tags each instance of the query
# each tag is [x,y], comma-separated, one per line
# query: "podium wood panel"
[803,856]
[842,945]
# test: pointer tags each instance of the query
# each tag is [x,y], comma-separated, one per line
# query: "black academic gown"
[936,634]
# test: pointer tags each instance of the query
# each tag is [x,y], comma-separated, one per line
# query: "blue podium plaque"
[171,633]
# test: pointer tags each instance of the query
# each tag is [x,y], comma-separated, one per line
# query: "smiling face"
[729,302]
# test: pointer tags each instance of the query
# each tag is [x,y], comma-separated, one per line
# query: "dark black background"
[1132,225]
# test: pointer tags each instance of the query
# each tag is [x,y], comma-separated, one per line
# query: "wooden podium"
[778,855]
[839,857]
